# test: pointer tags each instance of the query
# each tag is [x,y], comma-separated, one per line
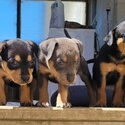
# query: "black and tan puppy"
[60,60]
[17,62]
[109,67]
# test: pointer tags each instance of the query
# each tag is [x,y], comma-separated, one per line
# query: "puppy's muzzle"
[25,78]
[70,77]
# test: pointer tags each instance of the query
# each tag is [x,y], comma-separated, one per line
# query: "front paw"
[100,103]
[63,105]
[26,104]
[118,103]
[2,101]
[42,104]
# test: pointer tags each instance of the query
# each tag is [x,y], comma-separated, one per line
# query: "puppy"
[109,67]
[60,60]
[17,64]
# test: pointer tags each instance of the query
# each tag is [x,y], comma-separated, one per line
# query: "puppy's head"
[62,58]
[117,37]
[17,60]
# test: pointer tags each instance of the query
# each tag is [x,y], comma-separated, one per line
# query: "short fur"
[60,60]
[17,64]
[109,67]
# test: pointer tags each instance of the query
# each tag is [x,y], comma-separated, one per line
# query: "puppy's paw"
[118,104]
[26,104]
[100,103]
[2,101]
[42,104]
[64,105]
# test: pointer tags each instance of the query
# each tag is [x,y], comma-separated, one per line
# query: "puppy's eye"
[60,62]
[12,63]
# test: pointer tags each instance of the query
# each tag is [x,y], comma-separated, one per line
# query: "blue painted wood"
[7,19]
[33,20]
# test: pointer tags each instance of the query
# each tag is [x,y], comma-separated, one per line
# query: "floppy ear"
[2,47]
[109,38]
[34,47]
[80,45]
[48,49]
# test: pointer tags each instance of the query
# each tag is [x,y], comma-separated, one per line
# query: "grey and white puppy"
[60,60]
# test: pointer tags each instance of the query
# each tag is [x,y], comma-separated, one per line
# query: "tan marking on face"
[29,58]
[121,45]
[60,76]
[120,40]
[17,58]
[15,75]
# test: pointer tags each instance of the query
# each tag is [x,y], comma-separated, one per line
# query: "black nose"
[70,77]
[25,78]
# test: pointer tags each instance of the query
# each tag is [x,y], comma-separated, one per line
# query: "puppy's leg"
[2,92]
[101,93]
[25,97]
[86,78]
[62,97]
[32,88]
[90,89]
[43,92]
[119,93]
[124,96]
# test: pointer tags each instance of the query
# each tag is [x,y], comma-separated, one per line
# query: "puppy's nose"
[70,77]
[25,78]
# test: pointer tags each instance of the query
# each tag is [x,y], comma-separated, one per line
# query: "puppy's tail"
[67,34]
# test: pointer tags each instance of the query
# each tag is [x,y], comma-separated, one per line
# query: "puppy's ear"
[3,46]
[34,47]
[80,45]
[48,49]
[110,37]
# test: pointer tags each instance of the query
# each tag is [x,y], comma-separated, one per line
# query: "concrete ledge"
[54,116]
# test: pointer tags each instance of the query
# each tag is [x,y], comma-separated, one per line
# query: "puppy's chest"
[114,65]
[117,59]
